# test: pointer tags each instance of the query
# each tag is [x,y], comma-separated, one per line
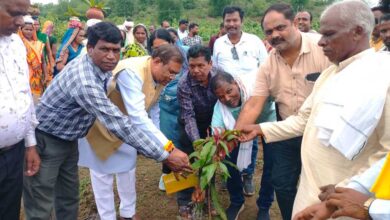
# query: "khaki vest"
[103,142]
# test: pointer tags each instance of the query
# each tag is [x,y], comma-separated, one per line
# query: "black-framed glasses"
[234,53]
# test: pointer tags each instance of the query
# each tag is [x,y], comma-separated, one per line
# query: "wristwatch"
[366,206]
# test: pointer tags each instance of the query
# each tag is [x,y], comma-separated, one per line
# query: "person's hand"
[349,203]
[326,191]
[33,161]
[178,161]
[315,212]
[249,132]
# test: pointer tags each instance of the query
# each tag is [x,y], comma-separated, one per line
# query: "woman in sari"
[71,46]
[48,28]
[39,79]
[138,48]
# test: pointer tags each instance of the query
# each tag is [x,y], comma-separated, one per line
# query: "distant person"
[129,24]
[18,150]
[376,41]
[165,24]
[39,77]
[384,30]
[138,48]
[48,29]
[213,38]
[152,28]
[71,46]
[182,30]
[303,20]
[193,37]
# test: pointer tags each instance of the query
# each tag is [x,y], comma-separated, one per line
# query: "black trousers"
[11,181]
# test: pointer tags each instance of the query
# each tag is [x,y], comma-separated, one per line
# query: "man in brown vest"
[135,89]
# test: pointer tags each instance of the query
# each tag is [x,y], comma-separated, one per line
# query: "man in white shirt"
[241,54]
[182,30]
[17,113]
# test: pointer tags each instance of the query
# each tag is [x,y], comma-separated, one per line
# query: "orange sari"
[39,79]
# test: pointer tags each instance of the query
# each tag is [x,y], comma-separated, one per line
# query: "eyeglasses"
[234,53]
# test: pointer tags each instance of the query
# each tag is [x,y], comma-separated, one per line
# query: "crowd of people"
[105,93]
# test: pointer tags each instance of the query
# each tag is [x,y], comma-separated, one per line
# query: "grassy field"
[153,204]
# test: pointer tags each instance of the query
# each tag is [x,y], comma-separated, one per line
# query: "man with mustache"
[344,120]
[240,54]
[288,75]
[384,30]
[67,110]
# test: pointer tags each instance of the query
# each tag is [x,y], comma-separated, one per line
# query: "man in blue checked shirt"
[74,100]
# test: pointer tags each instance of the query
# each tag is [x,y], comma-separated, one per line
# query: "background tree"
[169,10]
[216,7]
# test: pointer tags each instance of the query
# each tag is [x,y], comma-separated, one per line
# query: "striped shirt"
[76,97]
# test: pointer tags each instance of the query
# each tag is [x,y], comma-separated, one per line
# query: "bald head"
[345,28]
[350,14]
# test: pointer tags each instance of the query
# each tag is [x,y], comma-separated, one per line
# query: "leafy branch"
[210,158]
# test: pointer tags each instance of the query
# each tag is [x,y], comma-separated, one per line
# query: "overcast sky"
[44,1]
[372,2]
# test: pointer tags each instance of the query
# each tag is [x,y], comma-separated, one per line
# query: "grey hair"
[353,13]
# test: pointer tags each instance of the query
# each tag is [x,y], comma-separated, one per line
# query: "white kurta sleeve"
[291,127]
[130,86]
[380,209]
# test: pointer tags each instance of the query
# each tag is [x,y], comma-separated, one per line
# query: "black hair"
[140,26]
[232,9]
[192,25]
[168,52]
[163,22]
[183,21]
[377,8]
[282,8]
[162,34]
[385,17]
[106,31]
[172,30]
[219,78]
[199,51]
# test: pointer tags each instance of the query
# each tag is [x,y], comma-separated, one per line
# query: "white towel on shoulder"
[353,104]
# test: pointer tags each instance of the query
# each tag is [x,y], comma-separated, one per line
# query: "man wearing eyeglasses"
[288,75]
[240,54]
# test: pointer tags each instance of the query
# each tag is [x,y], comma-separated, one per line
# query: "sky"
[43,1]
[371,2]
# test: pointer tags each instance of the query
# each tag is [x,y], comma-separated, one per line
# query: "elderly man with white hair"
[344,120]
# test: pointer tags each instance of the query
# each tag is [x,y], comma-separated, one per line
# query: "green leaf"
[230,164]
[206,150]
[231,137]
[207,174]
[197,164]
[225,148]
[211,153]
[224,169]
[217,205]
[198,142]
[195,154]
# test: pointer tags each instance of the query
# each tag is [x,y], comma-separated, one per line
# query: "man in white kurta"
[345,42]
